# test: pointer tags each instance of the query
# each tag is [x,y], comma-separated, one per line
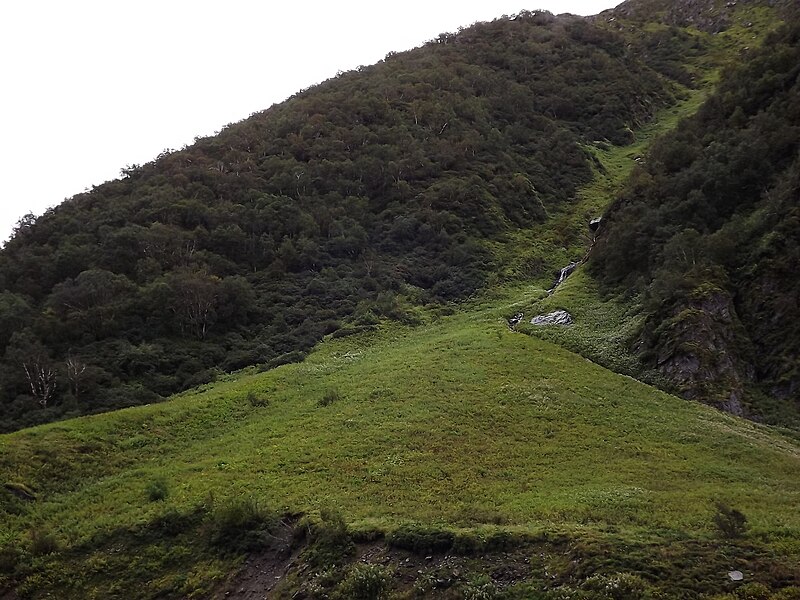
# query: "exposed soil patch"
[261,573]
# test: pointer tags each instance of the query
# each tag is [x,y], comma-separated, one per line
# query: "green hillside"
[458,425]
[706,229]
[397,185]
[329,287]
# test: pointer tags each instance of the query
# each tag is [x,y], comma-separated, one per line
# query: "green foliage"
[42,541]
[730,522]
[330,396]
[364,582]
[257,400]
[9,559]
[157,489]
[753,591]
[329,541]
[482,588]
[421,539]
[714,204]
[241,524]
[620,586]
[347,209]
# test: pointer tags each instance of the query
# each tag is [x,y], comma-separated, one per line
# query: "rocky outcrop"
[514,321]
[559,317]
[701,349]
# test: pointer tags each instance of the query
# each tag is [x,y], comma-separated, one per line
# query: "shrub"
[621,586]
[295,356]
[730,522]
[42,542]
[329,397]
[753,591]
[9,558]
[241,525]
[329,540]
[482,588]
[365,582]
[157,489]
[257,400]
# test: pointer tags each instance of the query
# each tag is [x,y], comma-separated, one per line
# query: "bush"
[753,591]
[241,525]
[174,522]
[257,400]
[329,397]
[365,582]
[295,356]
[42,542]
[329,540]
[9,558]
[730,522]
[483,588]
[157,489]
[621,586]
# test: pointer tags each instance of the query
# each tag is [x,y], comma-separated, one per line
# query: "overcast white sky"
[88,87]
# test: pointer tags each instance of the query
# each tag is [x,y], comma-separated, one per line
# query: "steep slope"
[708,227]
[706,15]
[420,451]
[371,193]
[445,437]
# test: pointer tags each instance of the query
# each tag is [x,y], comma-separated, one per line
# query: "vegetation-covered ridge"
[708,228]
[457,439]
[352,201]
[418,451]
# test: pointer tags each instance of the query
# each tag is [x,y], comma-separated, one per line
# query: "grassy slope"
[459,423]
[604,327]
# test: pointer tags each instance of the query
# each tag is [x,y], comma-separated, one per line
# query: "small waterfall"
[565,272]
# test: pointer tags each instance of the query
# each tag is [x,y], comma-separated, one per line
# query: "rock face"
[701,350]
[559,317]
[514,321]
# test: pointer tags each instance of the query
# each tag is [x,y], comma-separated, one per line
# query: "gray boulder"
[559,317]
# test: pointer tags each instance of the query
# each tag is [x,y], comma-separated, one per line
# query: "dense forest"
[355,200]
[709,229]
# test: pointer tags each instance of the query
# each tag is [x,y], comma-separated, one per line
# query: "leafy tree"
[195,297]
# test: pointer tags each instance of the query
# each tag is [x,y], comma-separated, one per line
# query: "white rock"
[559,317]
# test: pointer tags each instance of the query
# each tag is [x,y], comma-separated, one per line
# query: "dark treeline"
[710,229]
[352,201]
